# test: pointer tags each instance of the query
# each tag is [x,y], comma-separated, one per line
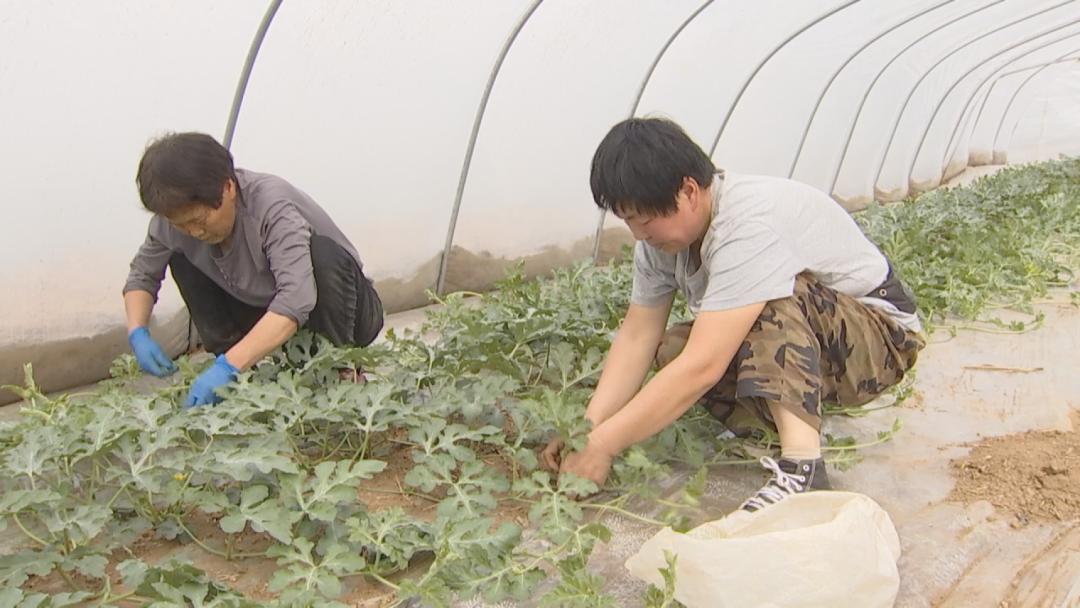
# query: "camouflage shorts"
[816,345]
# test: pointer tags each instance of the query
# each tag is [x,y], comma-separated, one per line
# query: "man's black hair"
[181,169]
[641,164]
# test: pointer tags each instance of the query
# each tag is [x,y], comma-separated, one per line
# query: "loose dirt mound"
[1034,475]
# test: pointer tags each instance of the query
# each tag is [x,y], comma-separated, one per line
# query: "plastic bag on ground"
[814,549]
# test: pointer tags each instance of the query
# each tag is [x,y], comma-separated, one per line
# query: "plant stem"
[844,411]
[212,550]
[68,580]
[858,446]
[28,533]
[624,513]
[115,495]
[382,580]
[338,448]
[726,463]
[108,599]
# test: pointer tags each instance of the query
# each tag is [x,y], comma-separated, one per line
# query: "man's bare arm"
[629,359]
[714,340]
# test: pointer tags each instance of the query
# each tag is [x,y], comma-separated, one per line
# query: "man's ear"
[692,190]
[228,190]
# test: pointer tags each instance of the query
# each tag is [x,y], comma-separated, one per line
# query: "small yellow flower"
[179,477]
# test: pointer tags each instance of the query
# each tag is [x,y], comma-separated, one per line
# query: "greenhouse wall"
[452,140]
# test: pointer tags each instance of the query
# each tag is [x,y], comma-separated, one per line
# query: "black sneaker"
[789,477]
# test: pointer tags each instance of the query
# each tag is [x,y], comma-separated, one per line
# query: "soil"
[1033,475]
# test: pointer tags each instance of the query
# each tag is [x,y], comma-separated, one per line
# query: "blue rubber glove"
[203,388]
[148,353]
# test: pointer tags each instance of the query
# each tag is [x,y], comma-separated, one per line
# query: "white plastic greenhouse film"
[767,125]
[928,165]
[368,108]
[1045,124]
[572,73]
[914,159]
[989,113]
[700,76]
[869,73]
[920,78]
[83,86]
[962,152]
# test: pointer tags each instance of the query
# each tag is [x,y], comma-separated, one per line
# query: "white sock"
[802,453]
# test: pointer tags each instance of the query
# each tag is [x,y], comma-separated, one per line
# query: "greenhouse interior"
[460,357]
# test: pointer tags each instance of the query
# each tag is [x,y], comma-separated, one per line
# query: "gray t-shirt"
[765,231]
[266,263]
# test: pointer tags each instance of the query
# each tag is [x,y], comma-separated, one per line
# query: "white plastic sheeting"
[367,106]
[1030,111]
[83,87]
[425,124]
[1043,123]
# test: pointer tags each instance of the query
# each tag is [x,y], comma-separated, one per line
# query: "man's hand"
[148,353]
[593,463]
[551,455]
[203,389]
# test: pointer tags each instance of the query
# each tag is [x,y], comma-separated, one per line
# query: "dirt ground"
[1033,475]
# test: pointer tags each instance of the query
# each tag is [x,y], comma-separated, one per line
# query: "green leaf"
[664,598]
[132,572]
[306,571]
[17,567]
[61,600]
[470,490]
[390,538]
[124,367]
[555,510]
[578,588]
[473,492]
[106,426]
[241,458]
[268,516]
[434,471]
[376,409]
[481,396]
[16,599]
[138,453]
[333,484]
[573,367]
[526,459]
[474,537]
[639,470]
[25,460]
[176,583]
[10,597]
[14,501]
[563,413]
[82,523]
[436,436]
[433,593]
[92,565]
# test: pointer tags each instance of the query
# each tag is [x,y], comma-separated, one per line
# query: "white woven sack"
[809,550]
